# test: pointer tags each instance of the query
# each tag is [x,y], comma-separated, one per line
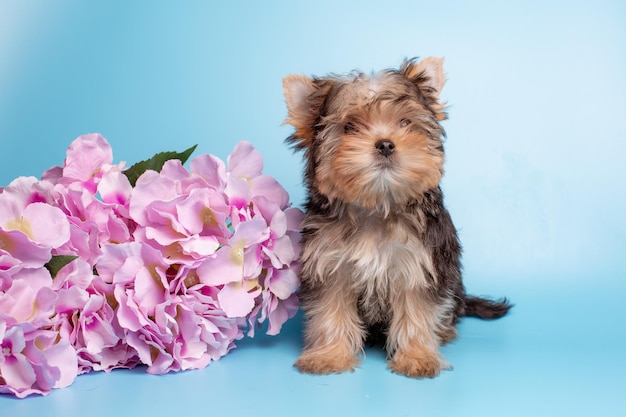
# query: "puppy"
[380,253]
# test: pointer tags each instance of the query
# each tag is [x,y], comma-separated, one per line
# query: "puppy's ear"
[304,97]
[429,77]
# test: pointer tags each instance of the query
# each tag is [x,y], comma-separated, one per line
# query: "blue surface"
[535,180]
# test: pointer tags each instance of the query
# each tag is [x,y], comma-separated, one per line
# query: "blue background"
[535,179]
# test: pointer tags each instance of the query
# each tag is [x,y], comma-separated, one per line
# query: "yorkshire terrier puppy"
[380,253]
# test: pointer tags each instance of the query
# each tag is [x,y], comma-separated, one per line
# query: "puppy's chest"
[383,254]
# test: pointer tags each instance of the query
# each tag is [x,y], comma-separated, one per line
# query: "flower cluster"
[98,273]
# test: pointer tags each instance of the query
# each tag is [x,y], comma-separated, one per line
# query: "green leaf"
[57,262]
[156,163]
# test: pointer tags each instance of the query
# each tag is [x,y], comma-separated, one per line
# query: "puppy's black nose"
[385,147]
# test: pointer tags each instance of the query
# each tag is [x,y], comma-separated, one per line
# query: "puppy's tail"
[485,308]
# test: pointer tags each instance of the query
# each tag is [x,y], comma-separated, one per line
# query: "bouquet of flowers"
[103,267]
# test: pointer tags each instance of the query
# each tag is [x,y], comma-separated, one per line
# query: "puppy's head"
[373,141]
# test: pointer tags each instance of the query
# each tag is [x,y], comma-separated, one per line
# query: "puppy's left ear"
[428,73]
[429,77]
[301,110]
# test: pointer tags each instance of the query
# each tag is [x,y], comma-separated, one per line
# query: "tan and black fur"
[380,250]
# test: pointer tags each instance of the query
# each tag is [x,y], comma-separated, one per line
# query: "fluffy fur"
[380,251]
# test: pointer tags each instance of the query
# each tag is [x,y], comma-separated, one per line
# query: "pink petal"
[13,341]
[49,225]
[18,373]
[200,246]
[71,299]
[114,187]
[63,357]
[225,267]
[285,310]
[150,286]
[238,191]
[203,211]
[85,156]
[294,219]
[16,370]
[76,274]
[52,174]
[283,249]
[210,169]
[251,232]
[190,211]
[252,261]
[128,313]
[150,187]
[174,170]
[98,334]
[272,214]
[40,349]
[245,162]
[23,191]
[283,283]
[29,299]
[235,300]
[162,234]
[20,247]
[268,187]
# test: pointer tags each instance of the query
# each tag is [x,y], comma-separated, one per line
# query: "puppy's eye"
[405,122]
[349,128]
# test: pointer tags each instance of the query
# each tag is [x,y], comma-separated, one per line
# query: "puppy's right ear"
[304,97]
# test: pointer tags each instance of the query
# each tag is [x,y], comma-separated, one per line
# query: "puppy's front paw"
[325,363]
[417,363]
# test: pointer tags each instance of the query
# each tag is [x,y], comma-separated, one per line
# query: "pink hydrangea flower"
[87,160]
[168,273]
[35,362]
[179,214]
[30,228]
[246,180]
[87,320]
[33,359]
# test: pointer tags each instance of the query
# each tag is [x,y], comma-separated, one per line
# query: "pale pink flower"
[212,327]
[236,266]
[279,311]
[30,298]
[53,359]
[96,334]
[282,248]
[83,242]
[88,159]
[29,228]
[34,362]
[18,375]
[188,332]
[211,170]
[85,318]
[283,305]
[137,273]
[178,217]
[239,258]
[245,166]
[151,345]
[114,188]
[89,214]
